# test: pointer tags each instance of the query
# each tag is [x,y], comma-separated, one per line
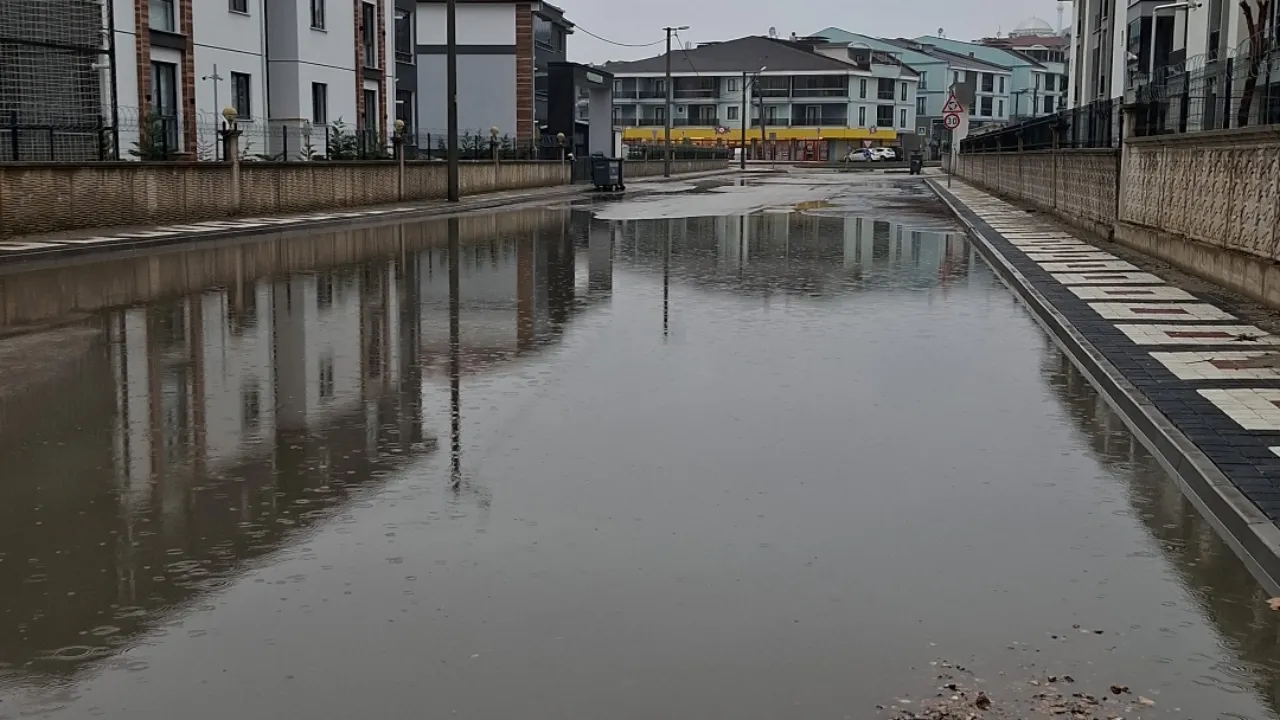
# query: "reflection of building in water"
[196,434]
[813,250]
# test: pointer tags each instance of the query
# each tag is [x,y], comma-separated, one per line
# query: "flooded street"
[752,451]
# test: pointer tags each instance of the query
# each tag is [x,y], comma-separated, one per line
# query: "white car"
[882,154]
[860,155]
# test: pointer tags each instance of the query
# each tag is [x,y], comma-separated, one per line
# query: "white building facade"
[293,70]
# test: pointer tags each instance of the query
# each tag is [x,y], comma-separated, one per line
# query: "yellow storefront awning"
[734,135]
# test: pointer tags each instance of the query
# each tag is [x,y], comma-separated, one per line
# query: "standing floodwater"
[611,461]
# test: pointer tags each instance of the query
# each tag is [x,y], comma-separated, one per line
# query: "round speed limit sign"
[951,122]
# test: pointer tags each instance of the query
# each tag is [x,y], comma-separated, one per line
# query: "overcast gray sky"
[642,22]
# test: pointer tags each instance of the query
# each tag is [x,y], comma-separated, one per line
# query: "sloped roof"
[961,61]
[734,56]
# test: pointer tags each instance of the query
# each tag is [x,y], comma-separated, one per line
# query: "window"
[999,108]
[862,117]
[164,100]
[924,81]
[903,98]
[369,34]
[1062,82]
[1048,82]
[240,6]
[660,114]
[902,118]
[317,14]
[862,89]
[241,96]
[160,16]
[1048,104]
[542,33]
[771,113]
[884,89]
[370,119]
[884,116]
[1001,84]
[733,85]
[404,109]
[920,108]
[988,82]
[986,107]
[617,87]
[732,112]
[404,37]
[955,77]
[319,104]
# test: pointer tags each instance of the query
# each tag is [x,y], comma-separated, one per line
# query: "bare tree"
[1259,51]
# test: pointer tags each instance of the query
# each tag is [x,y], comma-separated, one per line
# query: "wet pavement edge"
[1249,532]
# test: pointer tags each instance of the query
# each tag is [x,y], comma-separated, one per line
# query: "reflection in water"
[1213,576]
[153,452]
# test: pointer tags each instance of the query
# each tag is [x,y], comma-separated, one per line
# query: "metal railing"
[1096,125]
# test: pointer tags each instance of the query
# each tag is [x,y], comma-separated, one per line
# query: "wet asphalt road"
[749,451]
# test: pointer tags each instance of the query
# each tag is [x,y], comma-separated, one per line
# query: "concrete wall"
[48,197]
[649,168]
[1079,185]
[1203,202]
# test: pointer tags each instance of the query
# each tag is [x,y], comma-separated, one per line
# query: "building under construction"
[55,80]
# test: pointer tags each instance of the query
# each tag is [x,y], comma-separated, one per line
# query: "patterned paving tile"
[1251,408]
[1159,311]
[1220,365]
[1067,255]
[1081,265]
[1201,377]
[1218,335]
[1123,292]
[1108,278]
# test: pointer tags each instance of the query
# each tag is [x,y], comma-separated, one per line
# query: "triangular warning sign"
[952,106]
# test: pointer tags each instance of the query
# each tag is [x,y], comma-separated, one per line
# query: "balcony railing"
[652,94]
[820,92]
[628,94]
[696,122]
[686,93]
[771,92]
[883,95]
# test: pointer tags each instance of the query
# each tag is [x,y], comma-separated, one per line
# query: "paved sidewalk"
[1214,378]
[54,245]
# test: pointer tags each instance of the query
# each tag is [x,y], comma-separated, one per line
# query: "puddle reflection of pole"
[455,356]
[666,281]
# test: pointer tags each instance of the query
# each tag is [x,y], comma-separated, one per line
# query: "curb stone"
[1245,528]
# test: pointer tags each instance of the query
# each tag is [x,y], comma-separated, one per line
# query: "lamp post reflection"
[455,356]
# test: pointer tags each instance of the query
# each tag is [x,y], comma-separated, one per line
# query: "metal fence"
[1096,125]
[55,69]
[1240,88]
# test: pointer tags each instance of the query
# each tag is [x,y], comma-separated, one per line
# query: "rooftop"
[965,62]
[735,56]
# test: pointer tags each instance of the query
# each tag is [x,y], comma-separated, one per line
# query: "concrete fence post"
[400,171]
[1054,169]
[233,154]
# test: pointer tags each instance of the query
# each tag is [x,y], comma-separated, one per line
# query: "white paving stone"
[1217,365]
[1218,335]
[1251,408]
[1108,277]
[1129,292]
[1082,265]
[1166,312]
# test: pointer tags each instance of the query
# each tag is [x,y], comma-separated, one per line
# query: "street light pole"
[742,158]
[451,70]
[666,116]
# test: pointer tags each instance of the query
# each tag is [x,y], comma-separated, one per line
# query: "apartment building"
[1038,84]
[504,53]
[285,66]
[816,99]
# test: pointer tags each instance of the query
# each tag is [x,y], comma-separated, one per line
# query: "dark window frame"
[319,110]
[317,14]
[242,90]
[238,6]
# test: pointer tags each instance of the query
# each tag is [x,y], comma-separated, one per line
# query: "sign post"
[952,116]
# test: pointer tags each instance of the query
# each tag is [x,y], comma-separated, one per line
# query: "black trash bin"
[606,173]
[917,163]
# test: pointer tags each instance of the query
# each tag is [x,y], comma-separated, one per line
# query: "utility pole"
[216,78]
[666,121]
[742,164]
[451,69]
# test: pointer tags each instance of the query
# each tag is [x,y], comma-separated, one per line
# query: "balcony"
[652,94]
[820,92]
[626,94]
[692,93]
[645,122]
[771,92]
[696,122]
[883,95]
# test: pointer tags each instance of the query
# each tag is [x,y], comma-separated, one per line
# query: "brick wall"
[188,80]
[1080,185]
[384,66]
[142,56]
[524,73]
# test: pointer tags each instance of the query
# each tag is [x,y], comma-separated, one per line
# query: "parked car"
[859,155]
[882,154]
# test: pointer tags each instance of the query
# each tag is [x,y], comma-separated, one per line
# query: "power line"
[686,54]
[614,42]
